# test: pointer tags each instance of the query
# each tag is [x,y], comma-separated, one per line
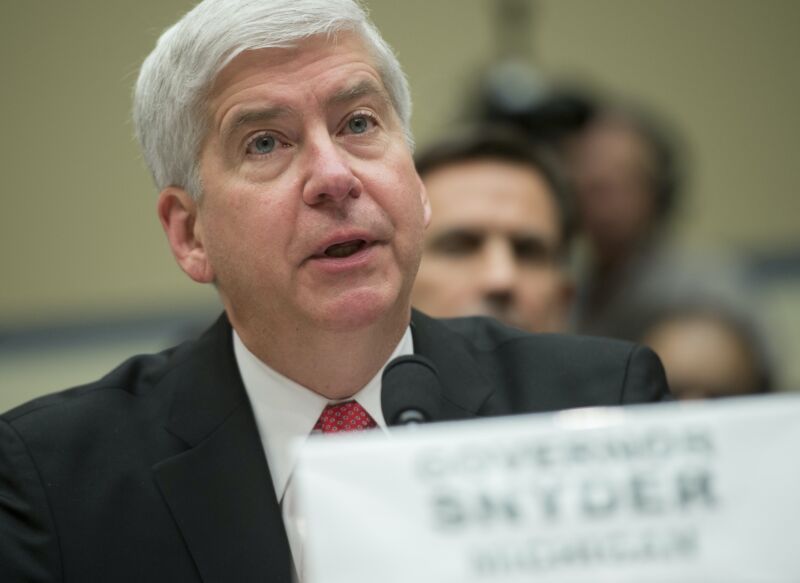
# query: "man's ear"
[178,213]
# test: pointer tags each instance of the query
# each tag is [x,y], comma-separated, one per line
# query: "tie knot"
[349,416]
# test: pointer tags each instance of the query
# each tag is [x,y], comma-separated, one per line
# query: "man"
[277,133]
[626,184]
[628,180]
[499,232]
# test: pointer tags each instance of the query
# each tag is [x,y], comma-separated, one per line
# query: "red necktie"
[349,416]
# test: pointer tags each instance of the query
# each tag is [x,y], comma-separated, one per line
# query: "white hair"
[169,103]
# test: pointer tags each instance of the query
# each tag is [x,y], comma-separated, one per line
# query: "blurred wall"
[79,238]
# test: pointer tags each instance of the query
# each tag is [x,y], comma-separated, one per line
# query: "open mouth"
[346,249]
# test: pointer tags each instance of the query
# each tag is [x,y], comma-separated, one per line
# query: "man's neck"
[335,364]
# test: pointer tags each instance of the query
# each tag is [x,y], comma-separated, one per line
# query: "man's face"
[492,246]
[312,214]
[615,198]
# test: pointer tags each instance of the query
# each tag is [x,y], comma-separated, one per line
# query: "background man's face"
[492,246]
[312,211]
[613,167]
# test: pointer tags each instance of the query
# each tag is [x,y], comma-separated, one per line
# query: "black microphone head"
[410,391]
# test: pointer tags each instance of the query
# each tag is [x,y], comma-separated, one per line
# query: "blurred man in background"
[626,182]
[627,171]
[628,174]
[499,232]
[621,162]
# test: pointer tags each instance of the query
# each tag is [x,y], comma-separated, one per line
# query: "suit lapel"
[219,490]
[464,388]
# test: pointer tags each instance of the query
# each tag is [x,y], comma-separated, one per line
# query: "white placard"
[680,492]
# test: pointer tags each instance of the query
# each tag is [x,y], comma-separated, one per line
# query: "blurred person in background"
[499,231]
[628,171]
[709,351]
[623,169]
[626,181]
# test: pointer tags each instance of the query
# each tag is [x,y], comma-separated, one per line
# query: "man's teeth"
[344,249]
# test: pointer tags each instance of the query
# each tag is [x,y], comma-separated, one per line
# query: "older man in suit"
[277,133]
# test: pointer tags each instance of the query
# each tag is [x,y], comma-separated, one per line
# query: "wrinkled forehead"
[290,54]
[285,67]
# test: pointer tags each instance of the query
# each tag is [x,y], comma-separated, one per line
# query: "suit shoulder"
[137,394]
[591,370]
[487,334]
[134,377]
[543,372]
[484,333]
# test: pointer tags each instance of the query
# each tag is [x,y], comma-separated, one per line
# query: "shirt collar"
[286,411]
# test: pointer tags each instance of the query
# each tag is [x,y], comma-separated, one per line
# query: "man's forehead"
[267,83]
[483,193]
[296,55]
[486,179]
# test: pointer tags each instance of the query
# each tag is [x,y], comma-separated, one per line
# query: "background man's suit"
[157,473]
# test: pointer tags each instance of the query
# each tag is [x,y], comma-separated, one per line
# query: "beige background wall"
[79,238]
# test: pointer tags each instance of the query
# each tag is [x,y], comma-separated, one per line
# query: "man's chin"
[357,309]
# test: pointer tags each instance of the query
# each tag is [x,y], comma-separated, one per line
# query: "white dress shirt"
[286,413]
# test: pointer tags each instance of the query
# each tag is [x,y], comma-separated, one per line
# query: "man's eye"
[359,124]
[532,250]
[263,144]
[457,243]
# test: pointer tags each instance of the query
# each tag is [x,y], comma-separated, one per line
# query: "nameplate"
[696,492]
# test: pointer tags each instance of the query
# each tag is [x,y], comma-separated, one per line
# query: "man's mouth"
[345,249]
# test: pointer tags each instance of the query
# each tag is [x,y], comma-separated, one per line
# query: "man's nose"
[329,175]
[499,270]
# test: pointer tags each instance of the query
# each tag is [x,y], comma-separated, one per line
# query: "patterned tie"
[349,416]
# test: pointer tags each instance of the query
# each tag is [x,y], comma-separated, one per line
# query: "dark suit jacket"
[156,472]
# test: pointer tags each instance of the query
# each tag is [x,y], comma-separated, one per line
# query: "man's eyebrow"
[365,88]
[249,116]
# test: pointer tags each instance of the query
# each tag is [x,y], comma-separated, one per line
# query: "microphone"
[410,391]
